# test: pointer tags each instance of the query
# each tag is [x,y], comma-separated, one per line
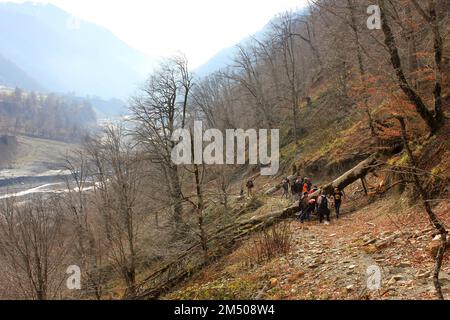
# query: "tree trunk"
[412,95]
[437,224]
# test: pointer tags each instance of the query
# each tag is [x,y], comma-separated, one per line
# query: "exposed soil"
[332,261]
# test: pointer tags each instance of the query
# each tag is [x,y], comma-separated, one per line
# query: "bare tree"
[285,32]
[33,247]
[437,224]
[157,113]
[433,120]
[89,246]
[118,177]
[248,74]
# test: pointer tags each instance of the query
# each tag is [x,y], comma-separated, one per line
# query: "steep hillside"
[331,261]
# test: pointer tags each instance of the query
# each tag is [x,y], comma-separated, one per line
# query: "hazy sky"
[199,28]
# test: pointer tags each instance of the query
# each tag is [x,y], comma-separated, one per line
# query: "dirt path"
[336,261]
[331,261]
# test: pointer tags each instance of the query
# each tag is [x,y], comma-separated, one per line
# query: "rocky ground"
[332,261]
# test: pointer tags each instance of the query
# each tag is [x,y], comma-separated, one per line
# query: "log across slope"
[174,272]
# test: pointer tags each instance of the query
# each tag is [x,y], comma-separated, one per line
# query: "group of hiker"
[311,199]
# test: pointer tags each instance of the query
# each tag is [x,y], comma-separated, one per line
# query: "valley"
[126,175]
[36,162]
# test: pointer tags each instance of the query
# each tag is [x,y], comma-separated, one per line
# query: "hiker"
[303,204]
[310,207]
[250,185]
[285,185]
[293,186]
[309,184]
[337,196]
[313,190]
[296,189]
[322,207]
[305,186]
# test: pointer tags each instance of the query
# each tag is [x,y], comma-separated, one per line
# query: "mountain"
[107,108]
[224,58]
[221,60]
[12,76]
[66,55]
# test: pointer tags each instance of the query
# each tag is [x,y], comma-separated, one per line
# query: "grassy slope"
[329,262]
[36,156]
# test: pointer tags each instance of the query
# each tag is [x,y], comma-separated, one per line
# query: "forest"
[48,116]
[364,110]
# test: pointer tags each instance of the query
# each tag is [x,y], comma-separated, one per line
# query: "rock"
[423,275]
[370,249]
[352,267]
[370,241]
[273,282]
[350,288]
[383,244]
[391,281]
[404,265]
[296,276]
[398,277]
[410,283]
[386,234]
[433,248]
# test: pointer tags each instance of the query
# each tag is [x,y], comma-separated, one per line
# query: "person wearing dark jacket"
[308,204]
[337,196]
[296,189]
[285,185]
[322,207]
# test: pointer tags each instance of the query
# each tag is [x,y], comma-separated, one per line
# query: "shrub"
[272,242]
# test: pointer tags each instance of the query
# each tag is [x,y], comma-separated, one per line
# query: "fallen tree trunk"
[274,189]
[172,273]
[353,175]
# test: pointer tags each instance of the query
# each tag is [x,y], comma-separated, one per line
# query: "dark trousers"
[324,213]
[337,206]
[306,213]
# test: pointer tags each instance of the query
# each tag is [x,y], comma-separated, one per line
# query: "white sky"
[198,28]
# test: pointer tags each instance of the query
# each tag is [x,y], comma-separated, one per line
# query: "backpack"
[323,203]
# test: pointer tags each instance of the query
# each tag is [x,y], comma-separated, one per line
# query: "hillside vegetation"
[45,116]
[364,110]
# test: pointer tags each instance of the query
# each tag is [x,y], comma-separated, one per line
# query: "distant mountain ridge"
[13,76]
[224,58]
[64,55]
